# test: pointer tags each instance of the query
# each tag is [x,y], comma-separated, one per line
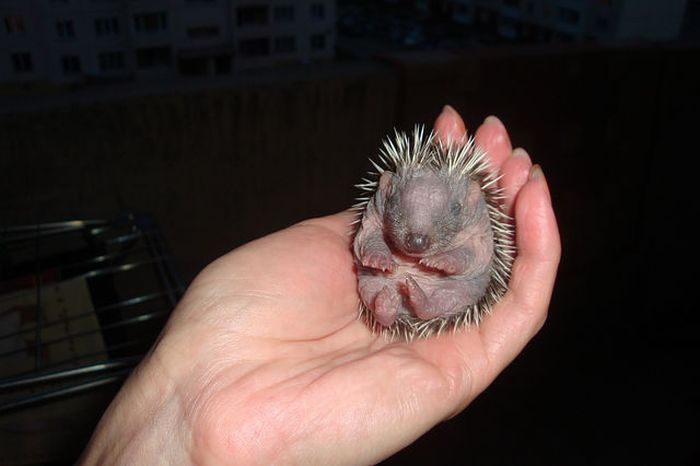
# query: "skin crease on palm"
[265,362]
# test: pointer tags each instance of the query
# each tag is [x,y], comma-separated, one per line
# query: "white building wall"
[650,19]
[29,41]
[205,35]
[581,19]
[320,27]
[195,17]
[83,42]
[463,11]
[191,30]
[304,26]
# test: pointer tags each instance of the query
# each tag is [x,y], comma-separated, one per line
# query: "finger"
[340,223]
[449,126]
[522,311]
[493,138]
[515,171]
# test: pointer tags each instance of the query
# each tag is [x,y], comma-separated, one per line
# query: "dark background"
[613,376]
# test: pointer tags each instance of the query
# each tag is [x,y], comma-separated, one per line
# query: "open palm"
[264,360]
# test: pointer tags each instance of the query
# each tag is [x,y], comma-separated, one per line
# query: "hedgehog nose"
[416,242]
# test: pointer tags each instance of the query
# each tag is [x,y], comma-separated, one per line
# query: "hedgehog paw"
[445,263]
[379,261]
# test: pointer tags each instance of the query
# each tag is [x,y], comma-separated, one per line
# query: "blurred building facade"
[64,41]
[571,20]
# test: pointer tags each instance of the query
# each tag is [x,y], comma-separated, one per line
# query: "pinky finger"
[523,310]
[515,171]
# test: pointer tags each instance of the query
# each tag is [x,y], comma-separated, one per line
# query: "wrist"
[143,424]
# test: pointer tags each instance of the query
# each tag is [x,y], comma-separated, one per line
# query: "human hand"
[264,360]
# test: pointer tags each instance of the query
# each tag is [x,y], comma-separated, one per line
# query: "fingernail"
[519,152]
[536,172]
[448,109]
[451,125]
[493,119]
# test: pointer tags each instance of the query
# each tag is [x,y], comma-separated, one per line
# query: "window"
[151,22]
[202,32]
[318,42]
[318,10]
[70,64]
[107,26]
[152,57]
[22,62]
[14,24]
[285,44]
[462,9]
[602,24]
[284,13]
[252,15]
[569,16]
[110,61]
[65,29]
[254,47]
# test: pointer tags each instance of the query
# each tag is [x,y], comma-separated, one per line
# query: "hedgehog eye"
[456,208]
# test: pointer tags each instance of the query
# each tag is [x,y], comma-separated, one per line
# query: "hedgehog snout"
[417,243]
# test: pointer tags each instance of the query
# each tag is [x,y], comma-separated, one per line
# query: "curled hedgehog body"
[433,247]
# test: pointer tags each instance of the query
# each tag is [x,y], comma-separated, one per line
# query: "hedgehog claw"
[379,261]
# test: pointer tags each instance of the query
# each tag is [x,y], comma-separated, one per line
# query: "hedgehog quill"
[433,246]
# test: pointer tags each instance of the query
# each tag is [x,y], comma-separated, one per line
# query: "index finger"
[490,136]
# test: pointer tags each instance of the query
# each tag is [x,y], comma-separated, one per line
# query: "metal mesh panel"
[80,304]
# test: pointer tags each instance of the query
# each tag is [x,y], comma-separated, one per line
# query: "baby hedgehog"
[433,246]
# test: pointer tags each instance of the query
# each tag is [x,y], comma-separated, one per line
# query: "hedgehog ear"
[473,193]
[385,180]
